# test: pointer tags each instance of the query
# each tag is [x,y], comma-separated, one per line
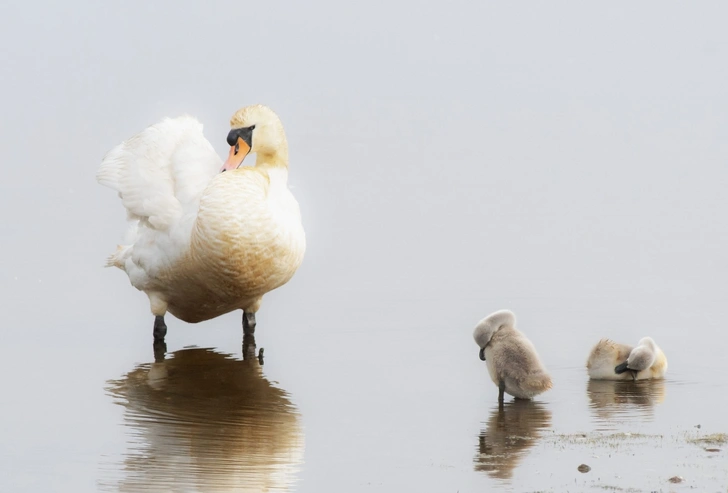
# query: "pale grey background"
[565,160]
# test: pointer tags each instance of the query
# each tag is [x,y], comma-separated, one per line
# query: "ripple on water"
[510,432]
[201,420]
[614,402]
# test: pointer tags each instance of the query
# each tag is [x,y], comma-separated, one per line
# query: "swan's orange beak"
[236,156]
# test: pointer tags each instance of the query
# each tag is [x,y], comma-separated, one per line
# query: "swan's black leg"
[248,323]
[501,390]
[160,351]
[249,348]
[160,328]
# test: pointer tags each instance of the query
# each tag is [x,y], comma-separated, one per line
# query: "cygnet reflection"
[614,402]
[509,433]
[202,420]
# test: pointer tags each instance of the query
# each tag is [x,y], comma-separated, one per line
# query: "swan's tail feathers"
[538,382]
[118,258]
[619,369]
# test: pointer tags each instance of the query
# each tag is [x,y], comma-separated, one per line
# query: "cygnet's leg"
[501,390]
[634,375]
[160,329]
[248,323]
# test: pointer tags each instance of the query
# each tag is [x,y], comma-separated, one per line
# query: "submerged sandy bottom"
[636,462]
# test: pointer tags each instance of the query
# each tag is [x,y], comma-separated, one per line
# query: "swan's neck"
[277,159]
[278,176]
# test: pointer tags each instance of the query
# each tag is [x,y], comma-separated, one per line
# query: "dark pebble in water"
[676,479]
[712,450]
[583,468]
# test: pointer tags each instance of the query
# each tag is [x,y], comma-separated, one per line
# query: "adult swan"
[204,239]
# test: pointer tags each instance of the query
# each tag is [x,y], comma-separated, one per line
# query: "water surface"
[566,161]
[201,420]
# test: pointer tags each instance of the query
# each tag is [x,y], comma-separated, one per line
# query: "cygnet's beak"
[482,354]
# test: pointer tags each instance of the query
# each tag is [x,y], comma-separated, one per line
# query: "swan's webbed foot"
[160,329]
[248,323]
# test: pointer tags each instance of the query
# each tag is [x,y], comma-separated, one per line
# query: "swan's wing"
[160,175]
[161,172]
[607,351]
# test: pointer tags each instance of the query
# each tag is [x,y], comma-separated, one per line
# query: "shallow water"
[566,162]
[335,409]
[203,420]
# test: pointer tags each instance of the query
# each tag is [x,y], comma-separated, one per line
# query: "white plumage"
[202,243]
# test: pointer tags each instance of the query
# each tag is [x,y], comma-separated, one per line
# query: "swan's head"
[256,129]
[487,327]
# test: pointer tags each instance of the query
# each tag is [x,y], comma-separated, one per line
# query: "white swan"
[203,243]
[512,360]
[609,360]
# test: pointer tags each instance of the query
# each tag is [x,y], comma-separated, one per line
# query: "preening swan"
[512,360]
[203,242]
[609,360]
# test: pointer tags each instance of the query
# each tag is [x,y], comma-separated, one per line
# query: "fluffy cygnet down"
[512,360]
[609,360]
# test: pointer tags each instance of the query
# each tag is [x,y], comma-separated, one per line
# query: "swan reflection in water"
[612,402]
[203,421]
[509,433]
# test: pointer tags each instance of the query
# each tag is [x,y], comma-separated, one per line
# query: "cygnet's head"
[649,342]
[487,327]
[255,129]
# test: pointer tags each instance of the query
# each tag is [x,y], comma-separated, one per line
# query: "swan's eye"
[237,147]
